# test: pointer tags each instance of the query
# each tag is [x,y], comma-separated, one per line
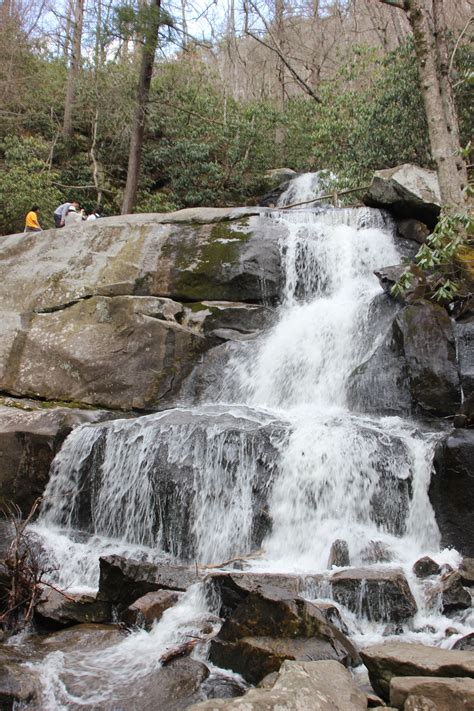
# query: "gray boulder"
[407,191]
[123,581]
[455,693]
[426,566]
[451,490]
[382,595]
[319,686]
[149,608]
[56,610]
[394,659]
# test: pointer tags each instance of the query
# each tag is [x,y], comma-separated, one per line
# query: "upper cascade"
[304,188]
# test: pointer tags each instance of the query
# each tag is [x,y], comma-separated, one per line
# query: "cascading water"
[202,482]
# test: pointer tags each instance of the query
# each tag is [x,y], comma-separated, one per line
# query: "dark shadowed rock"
[465,644]
[57,610]
[300,686]
[414,230]
[453,596]
[464,335]
[426,566]
[378,594]
[466,571]
[406,191]
[394,659]
[428,347]
[267,627]
[339,554]
[122,581]
[149,608]
[414,368]
[453,694]
[222,687]
[29,440]
[451,490]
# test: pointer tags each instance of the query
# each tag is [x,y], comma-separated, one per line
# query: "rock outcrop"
[414,369]
[407,191]
[103,319]
[30,436]
[452,490]
[442,693]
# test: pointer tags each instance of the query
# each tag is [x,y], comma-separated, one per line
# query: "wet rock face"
[339,554]
[414,368]
[377,594]
[451,490]
[29,440]
[149,608]
[426,566]
[453,596]
[267,626]
[464,335]
[395,659]
[180,499]
[465,644]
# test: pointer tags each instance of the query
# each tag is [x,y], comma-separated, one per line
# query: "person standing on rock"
[74,215]
[61,212]
[31,220]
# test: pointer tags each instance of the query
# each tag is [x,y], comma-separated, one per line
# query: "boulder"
[123,581]
[30,437]
[57,610]
[339,554]
[452,595]
[149,608]
[18,689]
[451,490]
[442,693]
[414,230]
[381,595]
[268,626]
[389,276]
[394,659]
[426,566]
[407,191]
[319,686]
[465,644]
[232,588]
[466,571]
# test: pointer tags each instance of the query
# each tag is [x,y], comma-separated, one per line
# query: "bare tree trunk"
[184,24]
[441,140]
[74,68]
[138,126]
[447,94]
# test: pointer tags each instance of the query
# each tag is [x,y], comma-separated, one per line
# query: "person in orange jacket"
[31,221]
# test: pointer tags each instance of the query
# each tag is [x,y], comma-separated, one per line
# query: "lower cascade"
[276,467]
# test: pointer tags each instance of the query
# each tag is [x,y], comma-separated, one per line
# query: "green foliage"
[371,117]
[436,257]
[25,180]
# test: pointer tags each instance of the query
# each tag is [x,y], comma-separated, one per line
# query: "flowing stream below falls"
[271,458]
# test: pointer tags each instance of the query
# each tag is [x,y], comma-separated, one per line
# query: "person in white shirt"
[61,212]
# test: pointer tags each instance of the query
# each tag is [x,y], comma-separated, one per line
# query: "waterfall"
[282,463]
[286,464]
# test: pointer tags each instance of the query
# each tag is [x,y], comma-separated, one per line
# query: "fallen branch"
[238,559]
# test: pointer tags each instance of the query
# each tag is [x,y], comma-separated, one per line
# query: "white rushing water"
[195,482]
